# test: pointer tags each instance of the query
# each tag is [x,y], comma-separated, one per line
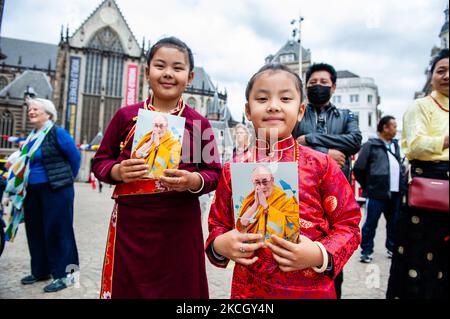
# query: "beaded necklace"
[438,104]
[271,155]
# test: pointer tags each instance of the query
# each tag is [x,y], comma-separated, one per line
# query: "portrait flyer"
[158,140]
[265,199]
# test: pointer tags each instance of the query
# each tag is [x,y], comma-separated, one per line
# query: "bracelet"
[201,187]
[325,259]
[216,255]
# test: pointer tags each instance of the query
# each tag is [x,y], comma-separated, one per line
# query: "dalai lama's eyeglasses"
[263,182]
[162,125]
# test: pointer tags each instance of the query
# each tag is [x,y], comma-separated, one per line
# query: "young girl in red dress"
[329,214]
[155,241]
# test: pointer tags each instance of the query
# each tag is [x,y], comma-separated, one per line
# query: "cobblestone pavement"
[92,213]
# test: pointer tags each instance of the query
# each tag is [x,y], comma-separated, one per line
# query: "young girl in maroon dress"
[329,214]
[155,241]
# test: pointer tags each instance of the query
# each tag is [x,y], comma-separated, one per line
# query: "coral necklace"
[438,104]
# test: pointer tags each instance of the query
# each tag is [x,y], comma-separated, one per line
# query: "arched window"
[104,45]
[209,105]
[6,128]
[192,102]
[287,58]
[104,41]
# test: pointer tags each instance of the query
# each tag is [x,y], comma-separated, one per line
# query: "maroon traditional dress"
[328,214]
[155,241]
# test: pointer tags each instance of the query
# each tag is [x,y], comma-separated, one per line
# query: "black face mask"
[319,94]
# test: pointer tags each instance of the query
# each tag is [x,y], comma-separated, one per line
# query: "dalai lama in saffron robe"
[280,217]
[160,149]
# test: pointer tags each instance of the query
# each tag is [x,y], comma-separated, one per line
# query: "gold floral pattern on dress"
[308,273]
[330,203]
[305,224]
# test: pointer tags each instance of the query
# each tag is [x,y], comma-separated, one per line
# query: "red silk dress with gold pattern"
[328,214]
[155,241]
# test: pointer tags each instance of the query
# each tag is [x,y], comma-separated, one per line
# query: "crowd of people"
[313,133]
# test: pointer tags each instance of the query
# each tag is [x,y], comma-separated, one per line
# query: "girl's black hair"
[443,54]
[172,42]
[273,67]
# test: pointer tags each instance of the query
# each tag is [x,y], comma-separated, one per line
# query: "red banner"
[132,84]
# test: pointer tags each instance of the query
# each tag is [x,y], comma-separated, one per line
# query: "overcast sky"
[387,40]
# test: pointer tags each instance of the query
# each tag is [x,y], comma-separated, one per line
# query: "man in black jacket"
[326,128]
[379,171]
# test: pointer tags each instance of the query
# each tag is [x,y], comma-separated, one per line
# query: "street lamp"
[298,30]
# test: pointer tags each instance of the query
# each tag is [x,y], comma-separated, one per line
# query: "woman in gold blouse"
[420,263]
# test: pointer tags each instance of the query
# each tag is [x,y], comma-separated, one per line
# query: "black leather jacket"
[372,169]
[332,129]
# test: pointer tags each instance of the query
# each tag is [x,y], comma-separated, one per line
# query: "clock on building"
[108,15]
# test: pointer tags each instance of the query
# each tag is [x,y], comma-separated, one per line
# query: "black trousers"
[49,228]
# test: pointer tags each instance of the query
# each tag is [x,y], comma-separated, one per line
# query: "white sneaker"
[367,259]
[69,280]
